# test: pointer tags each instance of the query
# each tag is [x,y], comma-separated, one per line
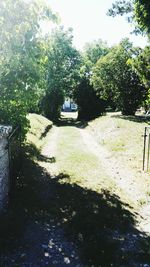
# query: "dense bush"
[90,105]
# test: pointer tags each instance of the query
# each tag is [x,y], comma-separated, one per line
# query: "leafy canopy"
[63,62]
[21,58]
[138,12]
[114,79]
[141,64]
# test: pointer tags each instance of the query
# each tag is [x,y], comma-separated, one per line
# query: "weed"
[142,201]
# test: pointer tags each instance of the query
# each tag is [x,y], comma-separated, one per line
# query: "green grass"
[87,202]
[80,199]
[148,193]
[76,164]
[82,166]
[122,136]
[39,127]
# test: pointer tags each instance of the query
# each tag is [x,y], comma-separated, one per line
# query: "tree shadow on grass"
[136,118]
[99,224]
[35,153]
[46,131]
[71,122]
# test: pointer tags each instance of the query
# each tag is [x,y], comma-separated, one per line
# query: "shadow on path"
[54,223]
[71,122]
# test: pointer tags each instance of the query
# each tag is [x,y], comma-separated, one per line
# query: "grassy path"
[80,161]
[89,164]
[69,209]
[76,161]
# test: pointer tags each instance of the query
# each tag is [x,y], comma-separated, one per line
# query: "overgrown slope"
[39,127]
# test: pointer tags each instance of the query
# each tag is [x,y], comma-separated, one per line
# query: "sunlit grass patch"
[39,127]
[122,136]
[82,166]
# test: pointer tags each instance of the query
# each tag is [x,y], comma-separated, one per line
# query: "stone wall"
[4,166]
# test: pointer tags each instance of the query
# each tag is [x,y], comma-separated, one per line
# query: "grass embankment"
[122,136]
[37,134]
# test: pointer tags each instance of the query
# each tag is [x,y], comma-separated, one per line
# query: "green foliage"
[142,15]
[52,102]
[120,8]
[21,62]
[138,11]
[62,71]
[46,70]
[113,78]
[90,105]
[141,65]
[93,51]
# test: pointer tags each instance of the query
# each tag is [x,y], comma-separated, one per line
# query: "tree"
[89,103]
[21,58]
[141,64]
[94,50]
[113,78]
[91,53]
[62,71]
[138,12]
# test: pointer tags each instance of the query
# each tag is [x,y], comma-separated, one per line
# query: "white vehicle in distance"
[74,107]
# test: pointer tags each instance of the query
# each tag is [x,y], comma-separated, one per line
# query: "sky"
[89,22]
